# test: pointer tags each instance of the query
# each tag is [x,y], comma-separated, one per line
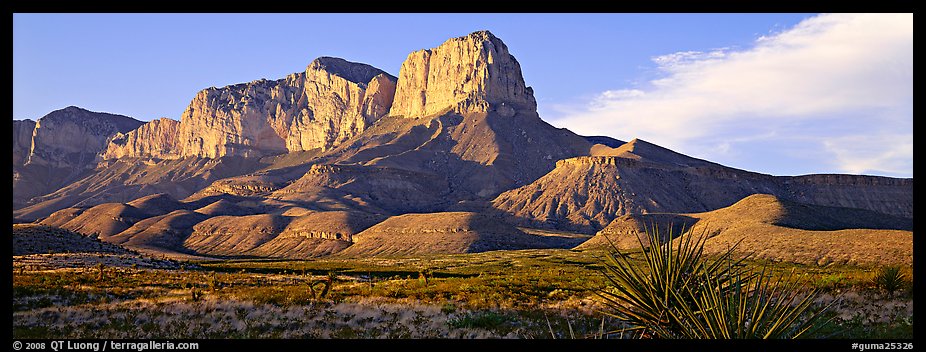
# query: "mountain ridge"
[303,166]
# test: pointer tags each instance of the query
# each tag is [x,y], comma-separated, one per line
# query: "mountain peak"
[481,35]
[352,71]
[472,73]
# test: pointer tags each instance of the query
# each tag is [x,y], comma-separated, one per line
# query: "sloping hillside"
[433,233]
[586,193]
[779,230]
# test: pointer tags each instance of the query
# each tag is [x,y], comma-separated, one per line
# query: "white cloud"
[839,86]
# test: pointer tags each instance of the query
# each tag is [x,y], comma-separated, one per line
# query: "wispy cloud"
[832,94]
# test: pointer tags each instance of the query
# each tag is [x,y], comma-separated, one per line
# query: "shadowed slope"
[234,235]
[104,220]
[780,230]
[128,179]
[450,232]
[160,232]
[317,234]
[60,148]
[39,247]
[586,193]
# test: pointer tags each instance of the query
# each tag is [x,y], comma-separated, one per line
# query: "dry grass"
[491,294]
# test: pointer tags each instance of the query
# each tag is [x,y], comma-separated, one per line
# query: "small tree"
[327,283]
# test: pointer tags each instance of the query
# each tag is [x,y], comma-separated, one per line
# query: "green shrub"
[890,279]
[680,293]
[482,320]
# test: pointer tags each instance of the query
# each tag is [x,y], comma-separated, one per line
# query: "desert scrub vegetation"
[518,294]
[890,279]
[679,292]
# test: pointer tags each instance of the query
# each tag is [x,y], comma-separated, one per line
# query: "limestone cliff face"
[342,100]
[60,148]
[22,140]
[330,102]
[473,73]
[886,195]
[72,137]
[156,139]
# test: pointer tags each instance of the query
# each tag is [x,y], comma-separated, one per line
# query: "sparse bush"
[680,293]
[326,283]
[423,276]
[482,320]
[831,282]
[448,308]
[214,282]
[195,294]
[890,279]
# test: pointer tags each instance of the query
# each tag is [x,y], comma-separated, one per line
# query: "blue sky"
[784,94]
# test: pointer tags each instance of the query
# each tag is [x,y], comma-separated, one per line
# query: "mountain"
[588,192]
[59,148]
[605,141]
[473,73]
[463,126]
[772,228]
[331,101]
[72,137]
[123,180]
[339,157]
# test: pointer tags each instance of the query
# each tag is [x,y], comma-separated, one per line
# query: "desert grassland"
[499,294]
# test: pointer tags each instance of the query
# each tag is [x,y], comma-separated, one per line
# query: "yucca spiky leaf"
[678,293]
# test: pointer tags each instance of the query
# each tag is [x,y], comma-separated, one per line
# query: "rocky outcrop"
[330,102]
[155,139]
[473,73]
[60,148]
[885,195]
[482,136]
[343,99]
[72,137]
[22,140]
[586,193]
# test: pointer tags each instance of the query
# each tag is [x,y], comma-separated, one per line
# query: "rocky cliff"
[490,142]
[22,140]
[330,102]
[60,147]
[473,73]
[156,139]
[72,137]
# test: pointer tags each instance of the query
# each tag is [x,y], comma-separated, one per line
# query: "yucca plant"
[890,279]
[678,292]
[757,307]
[326,283]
